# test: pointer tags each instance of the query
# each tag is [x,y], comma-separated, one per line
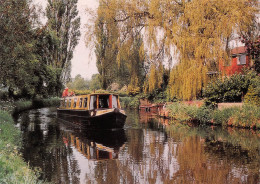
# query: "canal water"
[148,150]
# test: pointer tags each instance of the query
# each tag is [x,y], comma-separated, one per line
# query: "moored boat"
[101,111]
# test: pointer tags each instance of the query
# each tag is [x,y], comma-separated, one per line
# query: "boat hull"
[94,119]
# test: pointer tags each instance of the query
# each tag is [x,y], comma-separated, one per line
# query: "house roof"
[239,50]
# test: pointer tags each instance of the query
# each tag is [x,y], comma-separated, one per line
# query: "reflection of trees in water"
[143,159]
[154,154]
[190,155]
[47,151]
[220,156]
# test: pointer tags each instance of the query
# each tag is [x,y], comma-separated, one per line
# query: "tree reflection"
[149,151]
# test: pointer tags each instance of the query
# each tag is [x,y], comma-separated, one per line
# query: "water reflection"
[93,144]
[147,151]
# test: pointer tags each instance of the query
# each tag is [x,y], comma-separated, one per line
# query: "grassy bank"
[22,105]
[246,117]
[13,169]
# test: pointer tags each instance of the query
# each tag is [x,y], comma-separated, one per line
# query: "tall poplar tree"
[64,21]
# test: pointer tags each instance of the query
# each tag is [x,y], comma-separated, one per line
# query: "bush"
[130,102]
[22,105]
[50,102]
[3,95]
[247,117]
[229,89]
[221,117]
[253,94]
[182,112]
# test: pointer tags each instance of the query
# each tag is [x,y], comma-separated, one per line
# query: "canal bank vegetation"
[13,169]
[246,117]
[12,107]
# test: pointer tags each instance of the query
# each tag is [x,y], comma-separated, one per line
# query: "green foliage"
[27,66]
[253,94]
[13,169]
[191,27]
[95,82]
[17,59]
[78,83]
[181,112]
[3,95]
[221,117]
[22,105]
[130,102]
[246,117]
[117,61]
[229,89]
[64,25]
[50,102]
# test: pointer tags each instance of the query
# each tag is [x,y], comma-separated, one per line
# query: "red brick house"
[239,60]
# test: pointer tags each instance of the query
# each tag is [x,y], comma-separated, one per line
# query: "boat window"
[61,103]
[75,102]
[103,101]
[93,102]
[80,102]
[69,103]
[114,102]
[85,102]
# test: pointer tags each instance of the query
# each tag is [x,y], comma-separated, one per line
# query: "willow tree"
[63,20]
[202,37]
[120,56]
[106,49]
[200,30]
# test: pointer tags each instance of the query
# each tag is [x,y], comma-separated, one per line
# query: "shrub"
[229,89]
[3,95]
[22,105]
[181,112]
[253,94]
[221,117]
[50,102]
[203,114]
[247,117]
[130,102]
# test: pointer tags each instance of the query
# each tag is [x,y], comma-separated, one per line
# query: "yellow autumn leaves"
[200,30]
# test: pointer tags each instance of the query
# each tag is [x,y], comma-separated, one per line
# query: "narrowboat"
[101,111]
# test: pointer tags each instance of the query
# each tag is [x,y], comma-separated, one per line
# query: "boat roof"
[90,95]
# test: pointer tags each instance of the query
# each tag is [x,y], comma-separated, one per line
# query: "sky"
[82,63]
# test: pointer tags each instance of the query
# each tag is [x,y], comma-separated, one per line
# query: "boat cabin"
[90,102]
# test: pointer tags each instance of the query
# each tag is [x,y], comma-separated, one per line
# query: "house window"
[66,101]
[241,59]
